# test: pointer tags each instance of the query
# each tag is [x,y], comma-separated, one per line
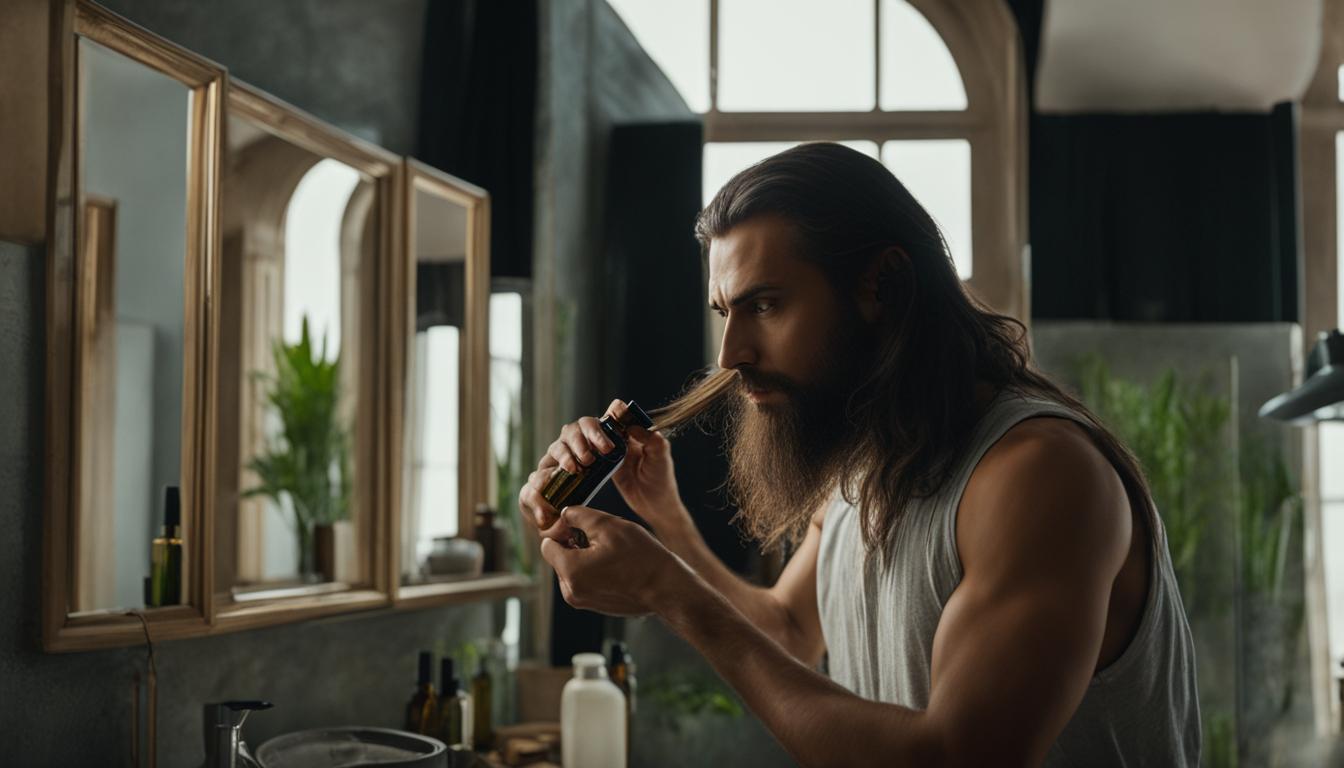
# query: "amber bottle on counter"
[454,709]
[482,729]
[422,711]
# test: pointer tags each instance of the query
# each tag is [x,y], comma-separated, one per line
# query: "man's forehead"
[755,250]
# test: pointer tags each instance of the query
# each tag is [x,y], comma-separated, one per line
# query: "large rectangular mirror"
[307,223]
[131,254]
[444,448]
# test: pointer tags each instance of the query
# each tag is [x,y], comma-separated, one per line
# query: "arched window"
[933,88]
[1321,136]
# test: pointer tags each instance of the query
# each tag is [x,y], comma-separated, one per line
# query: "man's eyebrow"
[746,295]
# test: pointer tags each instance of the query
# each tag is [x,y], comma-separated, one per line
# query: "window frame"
[982,37]
[1320,118]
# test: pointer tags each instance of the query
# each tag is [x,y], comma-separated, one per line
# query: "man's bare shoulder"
[1045,485]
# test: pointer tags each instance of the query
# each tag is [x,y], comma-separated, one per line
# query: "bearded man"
[975,555]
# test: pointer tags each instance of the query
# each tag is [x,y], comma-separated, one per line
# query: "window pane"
[1341,82]
[1331,435]
[1332,541]
[676,37]
[796,55]
[938,174]
[918,71]
[1339,230]
[724,160]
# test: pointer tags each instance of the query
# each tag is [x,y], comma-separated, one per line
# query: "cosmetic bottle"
[489,537]
[592,717]
[566,489]
[621,671]
[165,554]
[422,711]
[454,709]
[482,729]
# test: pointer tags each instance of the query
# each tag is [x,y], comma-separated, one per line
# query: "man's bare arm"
[1013,655]
[787,611]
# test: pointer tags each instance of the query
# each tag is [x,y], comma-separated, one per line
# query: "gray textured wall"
[353,63]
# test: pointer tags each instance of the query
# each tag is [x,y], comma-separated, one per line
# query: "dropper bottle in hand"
[568,489]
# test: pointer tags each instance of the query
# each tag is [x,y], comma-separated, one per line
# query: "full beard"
[785,458]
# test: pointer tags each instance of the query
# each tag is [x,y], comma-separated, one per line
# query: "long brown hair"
[915,410]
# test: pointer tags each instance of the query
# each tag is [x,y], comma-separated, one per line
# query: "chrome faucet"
[224,747]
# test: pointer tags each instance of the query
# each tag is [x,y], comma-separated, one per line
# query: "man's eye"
[761,306]
[719,312]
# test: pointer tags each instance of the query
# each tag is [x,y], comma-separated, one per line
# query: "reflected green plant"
[309,460]
[681,696]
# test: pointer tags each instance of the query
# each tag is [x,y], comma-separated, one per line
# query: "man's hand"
[646,479]
[622,572]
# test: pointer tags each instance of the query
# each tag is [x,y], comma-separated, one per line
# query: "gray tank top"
[879,622]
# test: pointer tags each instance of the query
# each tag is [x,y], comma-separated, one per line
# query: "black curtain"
[653,331]
[477,105]
[1185,217]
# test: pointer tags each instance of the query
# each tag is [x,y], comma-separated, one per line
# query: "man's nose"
[737,347]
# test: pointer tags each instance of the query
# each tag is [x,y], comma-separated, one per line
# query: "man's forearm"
[754,602]
[817,721]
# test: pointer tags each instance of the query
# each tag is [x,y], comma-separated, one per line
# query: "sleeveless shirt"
[879,621]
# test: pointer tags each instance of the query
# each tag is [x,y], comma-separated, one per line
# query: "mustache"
[752,378]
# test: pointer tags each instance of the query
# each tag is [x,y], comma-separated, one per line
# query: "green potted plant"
[309,460]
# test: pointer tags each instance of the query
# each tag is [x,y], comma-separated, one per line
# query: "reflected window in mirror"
[300,235]
[510,412]
[132,137]
[436,498]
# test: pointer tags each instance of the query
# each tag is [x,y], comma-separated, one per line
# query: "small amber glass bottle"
[422,711]
[567,489]
[165,554]
[483,730]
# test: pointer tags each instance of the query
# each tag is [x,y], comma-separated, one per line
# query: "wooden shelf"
[492,586]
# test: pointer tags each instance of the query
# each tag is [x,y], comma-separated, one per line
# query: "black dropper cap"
[448,676]
[636,415]
[618,654]
[172,507]
[426,668]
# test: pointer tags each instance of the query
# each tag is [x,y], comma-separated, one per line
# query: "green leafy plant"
[1175,430]
[309,460]
[680,696]
[1270,519]
[509,478]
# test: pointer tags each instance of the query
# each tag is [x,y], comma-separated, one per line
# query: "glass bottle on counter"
[422,711]
[621,671]
[482,729]
[455,726]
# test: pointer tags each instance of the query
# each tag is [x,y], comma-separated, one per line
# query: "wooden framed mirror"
[132,256]
[308,224]
[442,452]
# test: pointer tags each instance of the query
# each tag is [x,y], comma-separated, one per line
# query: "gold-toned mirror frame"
[474,454]
[66,362]
[58,197]
[372,469]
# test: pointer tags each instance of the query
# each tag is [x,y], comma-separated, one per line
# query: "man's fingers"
[543,514]
[563,456]
[592,430]
[573,437]
[557,555]
[586,518]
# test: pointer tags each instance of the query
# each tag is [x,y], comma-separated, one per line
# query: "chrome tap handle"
[223,723]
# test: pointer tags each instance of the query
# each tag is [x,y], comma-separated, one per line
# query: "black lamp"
[1321,396]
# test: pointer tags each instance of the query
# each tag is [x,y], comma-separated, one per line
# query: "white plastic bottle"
[592,717]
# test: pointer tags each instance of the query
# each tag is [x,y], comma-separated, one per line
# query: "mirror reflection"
[299,241]
[132,137]
[434,498]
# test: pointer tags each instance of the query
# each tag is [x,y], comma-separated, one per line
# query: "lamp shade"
[1321,396]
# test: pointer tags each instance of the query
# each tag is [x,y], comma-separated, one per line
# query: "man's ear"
[877,283]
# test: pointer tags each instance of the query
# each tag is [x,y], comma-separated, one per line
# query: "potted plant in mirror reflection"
[308,462]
